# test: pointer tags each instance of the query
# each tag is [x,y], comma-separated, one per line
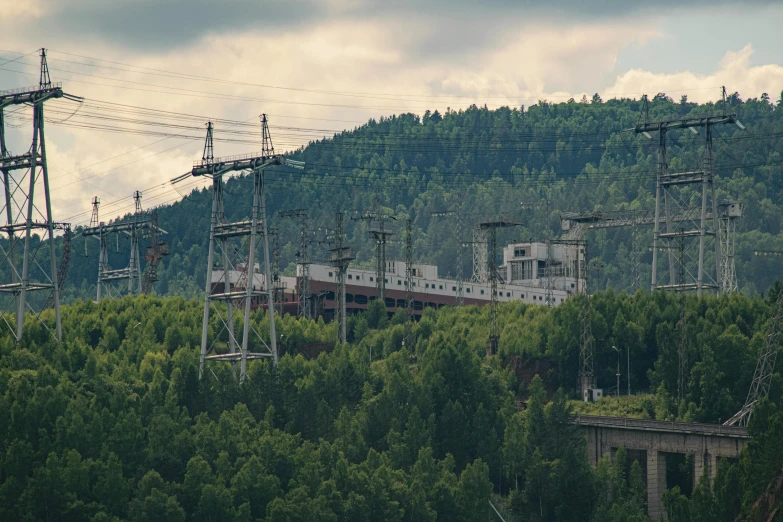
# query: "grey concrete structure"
[706,442]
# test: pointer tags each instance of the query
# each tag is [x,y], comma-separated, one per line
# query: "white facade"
[526,264]
[426,281]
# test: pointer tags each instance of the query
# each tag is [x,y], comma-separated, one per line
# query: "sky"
[318,67]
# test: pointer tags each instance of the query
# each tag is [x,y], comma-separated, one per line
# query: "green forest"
[483,163]
[114,424]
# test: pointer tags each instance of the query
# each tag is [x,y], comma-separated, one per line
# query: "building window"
[520,252]
[426,285]
[440,287]
[467,290]
[508,294]
[350,276]
[330,274]
[572,285]
[371,279]
[482,292]
[385,280]
[523,296]
[453,288]
[399,282]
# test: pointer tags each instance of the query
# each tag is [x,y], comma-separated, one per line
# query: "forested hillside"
[113,423]
[575,154]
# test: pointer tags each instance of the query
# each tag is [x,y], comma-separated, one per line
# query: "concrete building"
[524,275]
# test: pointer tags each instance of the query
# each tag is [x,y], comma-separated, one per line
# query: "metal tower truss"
[381,232]
[303,262]
[729,212]
[341,257]
[460,277]
[488,230]
[155,253]
[674,191]
[576,224]
[765,367]
[236,244]
[29,227]
[113,283]
[586,340]
[480,274]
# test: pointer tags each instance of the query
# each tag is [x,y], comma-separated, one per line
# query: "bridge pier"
[656,483]
[706,442]
[704,463]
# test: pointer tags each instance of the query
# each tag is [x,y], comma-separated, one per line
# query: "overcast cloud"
[404,56]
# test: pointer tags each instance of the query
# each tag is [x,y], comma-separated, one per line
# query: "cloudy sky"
[152,68]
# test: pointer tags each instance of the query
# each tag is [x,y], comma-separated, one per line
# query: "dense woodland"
[579,156]
[114,424]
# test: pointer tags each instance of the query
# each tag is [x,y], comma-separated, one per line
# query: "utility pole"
[617,387]
[586,341]
[24,213]
[488,230]
[303,261]
[669,193]
[409,270]
[221,232]
[341,257]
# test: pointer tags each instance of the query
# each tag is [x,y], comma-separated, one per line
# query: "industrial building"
[526,274]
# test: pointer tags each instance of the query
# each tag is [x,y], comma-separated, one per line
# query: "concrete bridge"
[649,441]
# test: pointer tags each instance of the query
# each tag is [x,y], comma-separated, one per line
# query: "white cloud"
[18,9]
[734,72]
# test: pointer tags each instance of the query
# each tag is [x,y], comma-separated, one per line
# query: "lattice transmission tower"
[116,282]
[765,368]
[29,227]
[303,262]
[488,230]
[671,193]
[239,260]
[341,257]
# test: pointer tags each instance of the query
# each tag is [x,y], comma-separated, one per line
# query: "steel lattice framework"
[303,261]
[341,257]
[670,193]
[222,236]
[135,227]
[576,224]
[24,176]
[765,367]
[488,231]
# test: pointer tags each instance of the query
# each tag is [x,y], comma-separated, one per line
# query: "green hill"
[575,154]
